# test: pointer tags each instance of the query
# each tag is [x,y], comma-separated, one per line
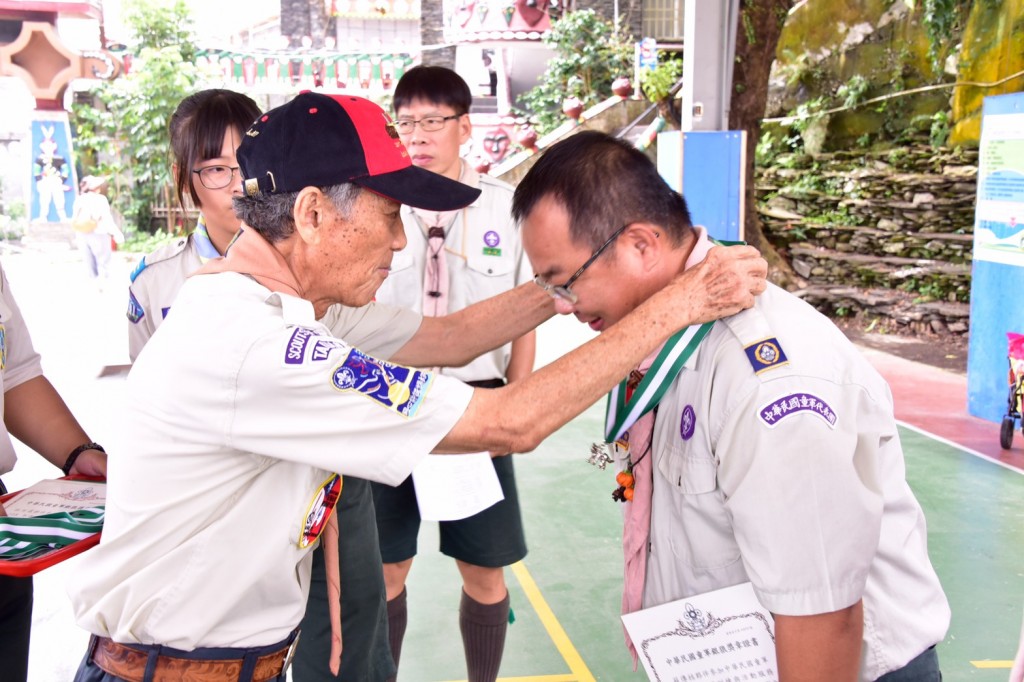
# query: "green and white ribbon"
[620,414]
[25,538]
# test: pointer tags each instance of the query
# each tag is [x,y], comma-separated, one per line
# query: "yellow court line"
[992,664]
[536,678]
[579,669]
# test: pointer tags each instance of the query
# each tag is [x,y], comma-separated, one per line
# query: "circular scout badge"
[687,422]
[492,238]
[767,352]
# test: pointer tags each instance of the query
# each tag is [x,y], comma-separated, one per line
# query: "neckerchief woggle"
[621,413]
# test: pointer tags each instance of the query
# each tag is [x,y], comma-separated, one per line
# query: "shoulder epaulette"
[163,253]
[760,345]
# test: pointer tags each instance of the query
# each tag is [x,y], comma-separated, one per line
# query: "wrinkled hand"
[725,283]
[90,463]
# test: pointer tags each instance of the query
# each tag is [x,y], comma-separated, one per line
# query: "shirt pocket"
[704,539]
[489,275]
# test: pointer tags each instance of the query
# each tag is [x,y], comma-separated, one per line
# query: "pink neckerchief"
[250,254]
[636,528]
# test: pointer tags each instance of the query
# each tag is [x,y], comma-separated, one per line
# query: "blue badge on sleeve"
[400,389]
[765,355]
[135,311]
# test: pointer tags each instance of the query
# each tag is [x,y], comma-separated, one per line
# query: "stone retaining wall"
[886,233]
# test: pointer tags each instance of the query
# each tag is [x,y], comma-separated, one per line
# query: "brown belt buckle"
[291,653]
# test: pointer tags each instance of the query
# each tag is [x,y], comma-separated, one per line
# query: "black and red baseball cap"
[318,140]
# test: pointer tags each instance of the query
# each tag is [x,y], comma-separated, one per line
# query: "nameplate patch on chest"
[797,403]
[765,355]
[400,389]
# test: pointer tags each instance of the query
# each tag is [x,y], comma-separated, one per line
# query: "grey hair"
[271,214]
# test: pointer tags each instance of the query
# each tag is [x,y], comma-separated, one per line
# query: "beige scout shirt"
[238,411]
[19,362]
[485,257]
[793,479]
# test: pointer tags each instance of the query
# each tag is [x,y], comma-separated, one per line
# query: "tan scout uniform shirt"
[238,411]
[792,478]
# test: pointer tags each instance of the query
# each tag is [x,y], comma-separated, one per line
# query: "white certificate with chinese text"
[56,495]
[717,636]
[452,487]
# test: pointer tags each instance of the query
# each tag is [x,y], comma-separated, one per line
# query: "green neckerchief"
[621,414]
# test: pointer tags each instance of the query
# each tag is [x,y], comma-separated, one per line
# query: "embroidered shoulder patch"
[295,349]
[135,311]
[400,389]
[788,405]
[320,508]
[323,347]
[3,347]
[308,344]
[765,355]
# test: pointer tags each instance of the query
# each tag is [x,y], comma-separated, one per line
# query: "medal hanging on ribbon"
[634,397]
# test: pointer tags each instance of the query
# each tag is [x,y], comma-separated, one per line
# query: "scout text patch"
[295,350]
[319,511]
[395,387]
[765,354]
[786,406]
[135,311]
[323,347]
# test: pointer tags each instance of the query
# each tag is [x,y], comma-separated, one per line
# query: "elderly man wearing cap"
[243,404]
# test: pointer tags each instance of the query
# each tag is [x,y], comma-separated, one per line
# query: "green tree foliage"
[590,53]
[127,131]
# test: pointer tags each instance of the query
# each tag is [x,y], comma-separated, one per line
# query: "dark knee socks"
[398,618]
[483,629]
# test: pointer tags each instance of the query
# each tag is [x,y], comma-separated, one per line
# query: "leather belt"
[130,664]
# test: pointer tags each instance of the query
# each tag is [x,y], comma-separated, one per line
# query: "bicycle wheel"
[1006,433]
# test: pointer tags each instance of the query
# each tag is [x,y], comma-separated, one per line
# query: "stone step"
[484,105]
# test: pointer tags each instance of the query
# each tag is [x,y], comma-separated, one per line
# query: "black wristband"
[70,461]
